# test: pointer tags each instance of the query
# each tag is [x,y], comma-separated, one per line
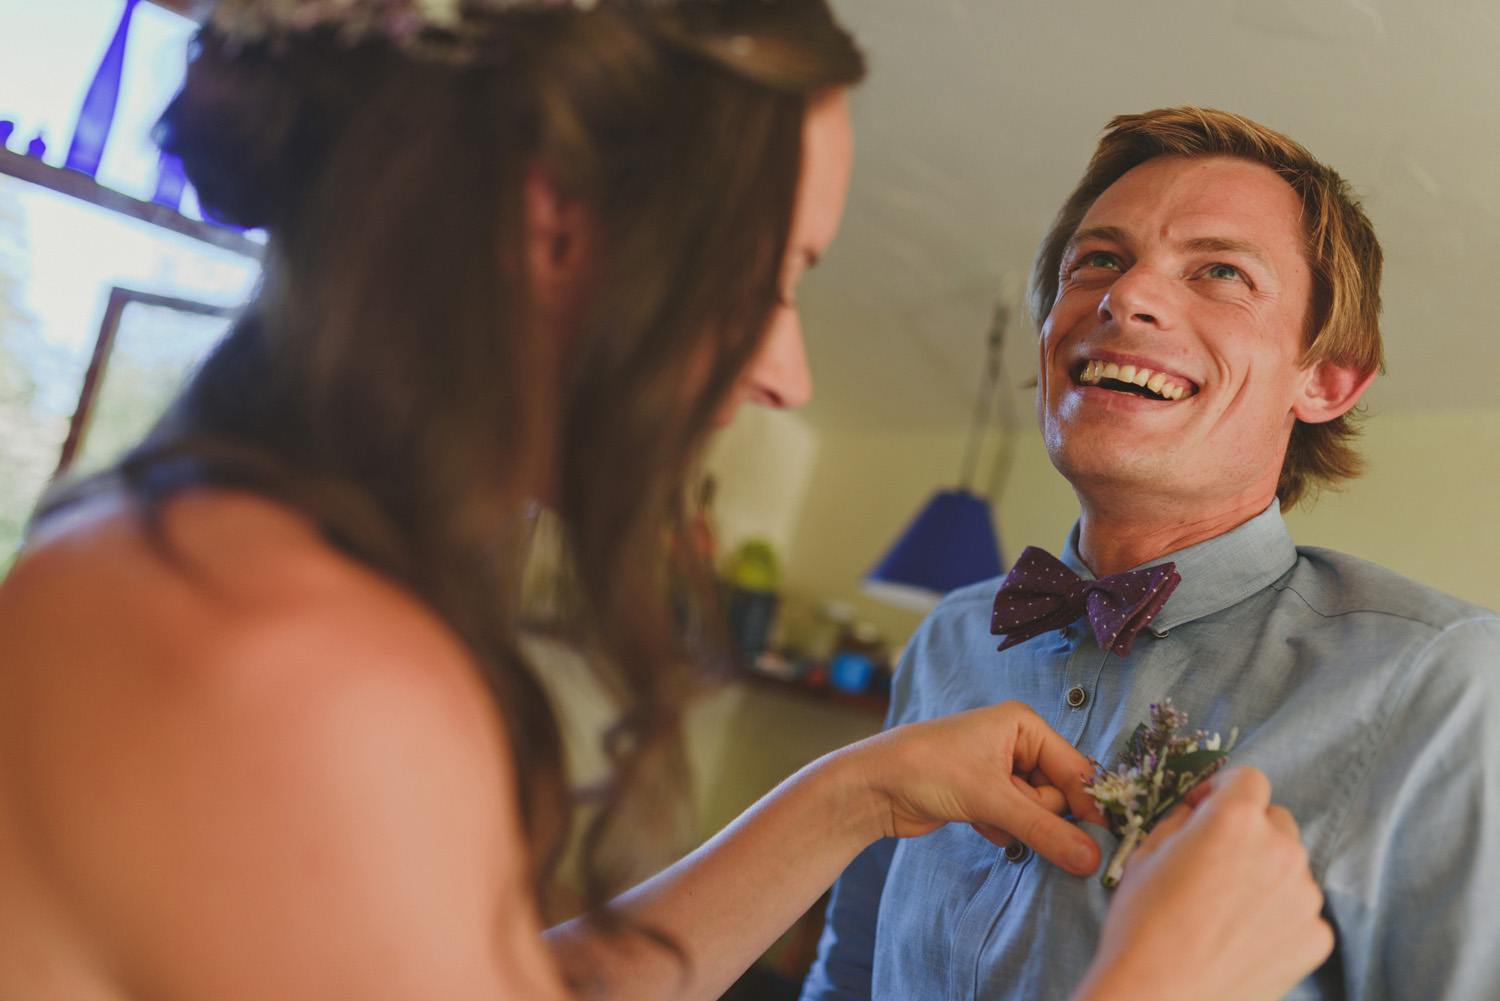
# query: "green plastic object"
[755,567]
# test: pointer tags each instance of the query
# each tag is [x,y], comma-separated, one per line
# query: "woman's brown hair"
[380,380]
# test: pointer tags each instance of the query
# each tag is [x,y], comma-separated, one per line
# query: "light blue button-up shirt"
[1372,702]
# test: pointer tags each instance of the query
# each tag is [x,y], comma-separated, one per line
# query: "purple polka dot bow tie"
[1041,594]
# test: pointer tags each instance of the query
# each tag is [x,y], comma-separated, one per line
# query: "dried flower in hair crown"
[250,22]
[1152,774]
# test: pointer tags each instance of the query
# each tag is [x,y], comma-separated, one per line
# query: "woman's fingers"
[1219,901]
[1164,829]
[1282,819]
[1049,798]
[1031,821]
[1041,751]
[999,768]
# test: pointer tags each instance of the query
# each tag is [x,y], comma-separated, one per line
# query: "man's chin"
[1114,468]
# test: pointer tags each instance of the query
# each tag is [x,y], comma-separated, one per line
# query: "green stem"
[1116,868]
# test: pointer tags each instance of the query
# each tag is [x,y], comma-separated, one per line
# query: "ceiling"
[978,118]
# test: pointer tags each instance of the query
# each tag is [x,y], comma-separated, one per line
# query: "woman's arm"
[999,767]
[1220,903]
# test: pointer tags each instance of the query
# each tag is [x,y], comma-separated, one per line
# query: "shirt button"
[1077,696]
[1017,853]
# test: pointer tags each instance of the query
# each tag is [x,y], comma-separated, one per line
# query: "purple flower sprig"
[1152,775]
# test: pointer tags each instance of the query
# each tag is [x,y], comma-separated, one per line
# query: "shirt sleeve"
[846,950]
[1411,885]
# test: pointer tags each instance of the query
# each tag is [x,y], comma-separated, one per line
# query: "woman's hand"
[999,768]
[1218,902]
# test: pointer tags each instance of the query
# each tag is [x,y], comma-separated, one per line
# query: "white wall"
[763,464]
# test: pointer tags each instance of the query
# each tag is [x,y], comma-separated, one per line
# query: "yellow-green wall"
[1425,506]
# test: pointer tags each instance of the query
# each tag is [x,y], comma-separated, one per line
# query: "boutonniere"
[1149,777]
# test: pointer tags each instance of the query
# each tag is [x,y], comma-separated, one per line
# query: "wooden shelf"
[876,705]
[85,188]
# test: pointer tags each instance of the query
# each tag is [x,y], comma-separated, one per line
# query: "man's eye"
[1099,259]
[1228,271]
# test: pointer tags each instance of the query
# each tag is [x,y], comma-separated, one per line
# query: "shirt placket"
[1081,669]
[1079,688]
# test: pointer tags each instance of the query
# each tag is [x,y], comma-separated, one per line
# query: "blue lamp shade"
[950,543]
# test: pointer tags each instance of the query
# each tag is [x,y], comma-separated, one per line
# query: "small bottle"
[753,599]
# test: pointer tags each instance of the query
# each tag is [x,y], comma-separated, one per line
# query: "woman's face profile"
[778,375]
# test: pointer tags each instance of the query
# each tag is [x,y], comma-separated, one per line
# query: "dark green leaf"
[1195,761]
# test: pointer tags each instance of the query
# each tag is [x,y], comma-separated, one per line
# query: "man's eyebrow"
[1111,234]
[1225,245]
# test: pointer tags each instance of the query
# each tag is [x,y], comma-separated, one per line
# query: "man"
[1210,298]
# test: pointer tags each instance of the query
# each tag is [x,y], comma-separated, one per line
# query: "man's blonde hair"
[1343,318]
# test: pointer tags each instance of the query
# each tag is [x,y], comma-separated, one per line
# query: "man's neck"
[1112,540]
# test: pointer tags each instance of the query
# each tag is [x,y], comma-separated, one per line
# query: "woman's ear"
[1328,392]
[559,235]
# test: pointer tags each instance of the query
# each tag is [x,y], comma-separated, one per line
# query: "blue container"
[850,672]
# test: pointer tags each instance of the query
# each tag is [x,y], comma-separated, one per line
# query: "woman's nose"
[778,375]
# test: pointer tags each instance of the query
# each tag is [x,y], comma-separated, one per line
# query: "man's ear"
[1328,391]
[559,242]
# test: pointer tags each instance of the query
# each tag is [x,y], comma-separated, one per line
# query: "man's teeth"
[1159,383]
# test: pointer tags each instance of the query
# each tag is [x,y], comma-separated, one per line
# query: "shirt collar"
[1217,572]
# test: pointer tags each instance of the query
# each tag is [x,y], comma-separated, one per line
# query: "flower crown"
[402,22]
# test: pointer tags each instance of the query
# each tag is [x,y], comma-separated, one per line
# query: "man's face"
[1190,276]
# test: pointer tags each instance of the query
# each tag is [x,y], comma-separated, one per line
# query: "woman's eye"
[1227,271]
[1099,259]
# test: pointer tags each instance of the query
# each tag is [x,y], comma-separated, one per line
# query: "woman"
[264,729]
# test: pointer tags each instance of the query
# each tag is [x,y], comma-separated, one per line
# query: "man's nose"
[1137,296]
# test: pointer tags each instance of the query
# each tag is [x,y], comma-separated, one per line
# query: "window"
[65,257]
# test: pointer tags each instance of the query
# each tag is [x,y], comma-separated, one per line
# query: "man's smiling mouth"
[1135,380]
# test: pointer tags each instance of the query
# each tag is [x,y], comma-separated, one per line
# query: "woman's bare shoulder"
[240,620]
[226,572]
[260,721]
[240,609]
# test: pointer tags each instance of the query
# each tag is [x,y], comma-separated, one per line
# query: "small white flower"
[1150,776]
